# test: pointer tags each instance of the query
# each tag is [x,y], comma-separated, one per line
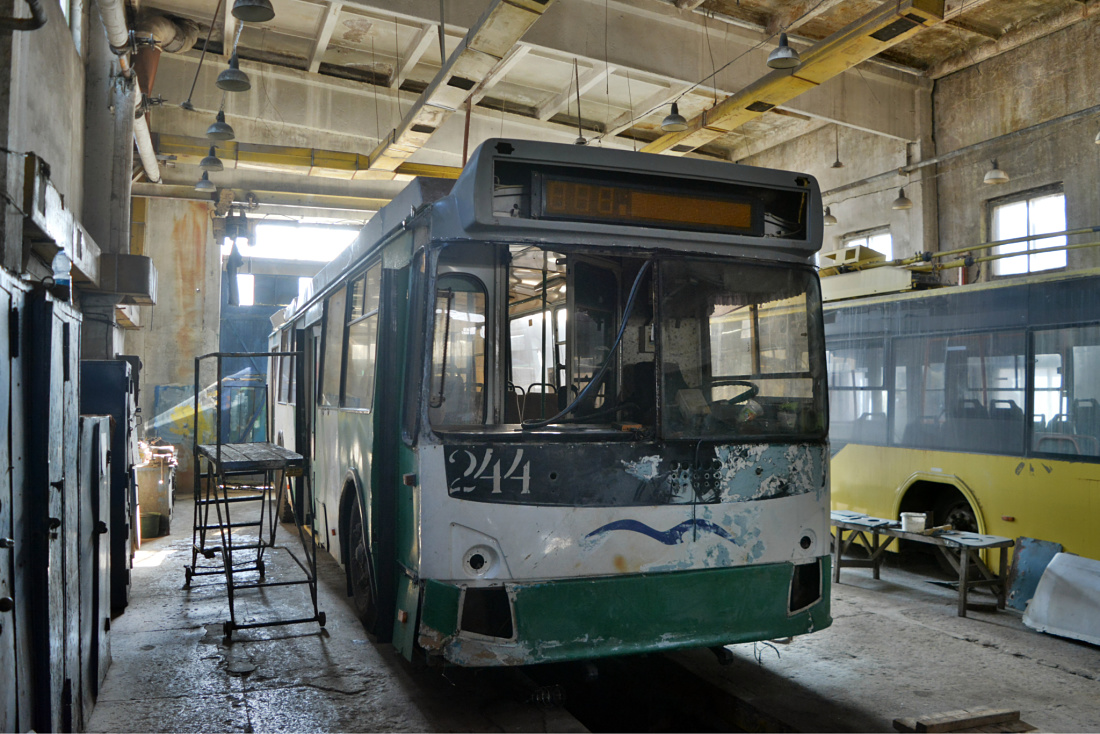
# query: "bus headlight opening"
[479,560]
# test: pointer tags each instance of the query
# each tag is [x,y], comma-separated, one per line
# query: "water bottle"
[62,278]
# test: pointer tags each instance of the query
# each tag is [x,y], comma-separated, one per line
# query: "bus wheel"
[959,515]
[359,572]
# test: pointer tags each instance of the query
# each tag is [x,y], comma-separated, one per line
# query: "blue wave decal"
[672,536]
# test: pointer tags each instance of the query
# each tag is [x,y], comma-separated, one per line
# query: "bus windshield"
[708,349]
[736,346]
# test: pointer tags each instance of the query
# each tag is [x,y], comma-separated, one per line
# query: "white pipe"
[145,145]
[113,15]
[114,20]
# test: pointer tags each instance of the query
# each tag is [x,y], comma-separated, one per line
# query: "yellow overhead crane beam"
[888,25]
[285,159]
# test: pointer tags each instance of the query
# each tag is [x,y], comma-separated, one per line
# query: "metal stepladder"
[238,469]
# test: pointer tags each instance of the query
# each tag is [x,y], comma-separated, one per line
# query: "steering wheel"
[752,392]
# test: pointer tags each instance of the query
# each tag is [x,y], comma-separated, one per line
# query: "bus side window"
[457,391]
[362,341]
[333,348]
[1066,392]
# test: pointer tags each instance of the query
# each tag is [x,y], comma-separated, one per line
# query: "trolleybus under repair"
[978,404]
[574,407]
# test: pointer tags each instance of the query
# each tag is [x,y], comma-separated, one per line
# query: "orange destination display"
[565,199]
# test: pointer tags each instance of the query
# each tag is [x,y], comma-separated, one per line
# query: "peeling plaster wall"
[184,324]
[47,100]
[1048,78]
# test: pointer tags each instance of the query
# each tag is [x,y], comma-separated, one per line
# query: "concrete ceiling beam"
[324,35]
[481,52]
[796,15]
[1014,39]
[626,120]
[516,55]
[412,53]
[558,102]
[968,27]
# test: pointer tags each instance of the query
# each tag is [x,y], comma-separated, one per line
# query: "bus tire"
[359,572]
[958,514]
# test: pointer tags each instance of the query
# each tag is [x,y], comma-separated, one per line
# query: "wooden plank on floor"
[966,720]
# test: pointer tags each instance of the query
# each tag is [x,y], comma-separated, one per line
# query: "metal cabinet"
[94,560]
[46,536]
[109,387]
[16,675]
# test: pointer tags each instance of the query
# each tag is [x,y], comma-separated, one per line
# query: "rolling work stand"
[234,474]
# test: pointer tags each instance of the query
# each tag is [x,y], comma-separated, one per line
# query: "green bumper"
[625,615]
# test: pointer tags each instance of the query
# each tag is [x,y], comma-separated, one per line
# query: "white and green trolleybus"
[572,407]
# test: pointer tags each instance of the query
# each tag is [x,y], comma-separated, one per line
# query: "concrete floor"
[171,670]
[896,648]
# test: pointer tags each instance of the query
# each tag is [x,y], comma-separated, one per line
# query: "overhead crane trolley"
[241,468]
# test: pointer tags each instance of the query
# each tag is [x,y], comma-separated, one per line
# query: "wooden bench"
[877,534]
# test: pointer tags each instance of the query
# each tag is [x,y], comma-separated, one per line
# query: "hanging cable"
[598,377]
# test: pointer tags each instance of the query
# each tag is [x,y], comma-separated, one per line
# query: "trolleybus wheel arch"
[359,571]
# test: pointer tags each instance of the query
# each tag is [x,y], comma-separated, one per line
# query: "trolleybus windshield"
[709,348]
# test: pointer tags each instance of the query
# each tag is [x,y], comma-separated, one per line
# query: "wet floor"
[173,671]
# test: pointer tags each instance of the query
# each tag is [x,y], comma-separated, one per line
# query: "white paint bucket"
[913,522]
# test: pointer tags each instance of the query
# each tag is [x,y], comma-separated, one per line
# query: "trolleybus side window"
[333,348]
[964,392]
[285,366]
[1066,413]
[362,340]
[457,393]
[857,394]
[736,345]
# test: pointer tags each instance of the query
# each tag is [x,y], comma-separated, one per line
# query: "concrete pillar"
[100,337]
[109,147]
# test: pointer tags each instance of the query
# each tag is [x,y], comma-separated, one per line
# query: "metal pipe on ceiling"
[113,15]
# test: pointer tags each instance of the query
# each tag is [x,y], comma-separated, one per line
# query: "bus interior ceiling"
[564,332]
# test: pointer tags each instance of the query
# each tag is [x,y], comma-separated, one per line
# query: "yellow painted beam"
[286,159]
[888,25]
[138,208]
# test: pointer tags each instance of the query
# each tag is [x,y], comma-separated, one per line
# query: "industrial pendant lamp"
[205,184]
[902,202]
[211,162]
[674,122]
[253,11]
[995,175]
[837,163]
[220,130]
[829,220]
[581,140]
[783,56]
[233,79]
